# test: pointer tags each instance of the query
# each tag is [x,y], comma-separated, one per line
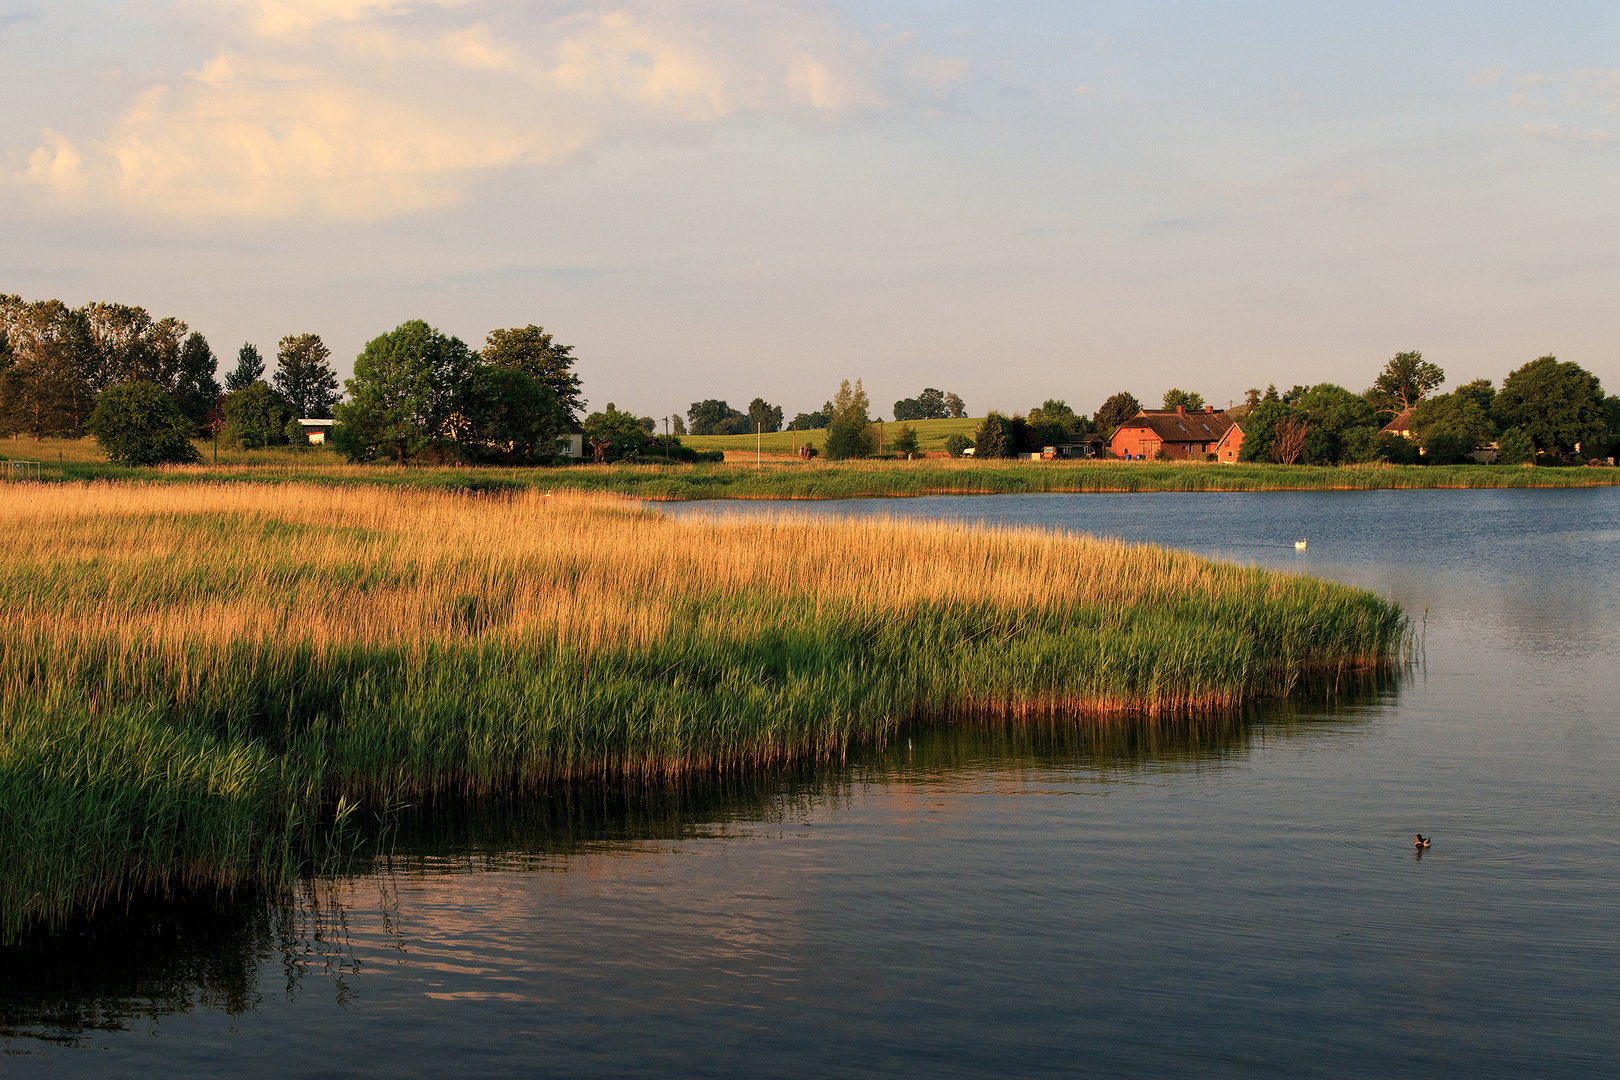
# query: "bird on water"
[1420,841]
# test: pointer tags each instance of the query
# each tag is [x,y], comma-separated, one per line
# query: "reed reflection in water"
[140,967]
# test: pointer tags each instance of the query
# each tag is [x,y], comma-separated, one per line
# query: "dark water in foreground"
[1231,898]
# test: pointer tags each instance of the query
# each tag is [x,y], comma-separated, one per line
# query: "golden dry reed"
[197,681]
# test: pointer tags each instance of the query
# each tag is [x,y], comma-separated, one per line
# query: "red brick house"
[1183,435]
[1231,443]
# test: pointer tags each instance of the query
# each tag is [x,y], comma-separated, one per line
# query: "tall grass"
[202,685]
[655,480]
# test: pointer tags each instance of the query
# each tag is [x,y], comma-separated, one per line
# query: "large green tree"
[1558,405]
[712,417]
[503,417]
[1342,425]
[1337,426]
[849,433]
[928,405]
[1114,412]
[256,416]
[1190,400]
[531,350]
[613,434]
[1405,381]
[304,375]
[1465,414]
[402,393]
[763,416]
[137,423]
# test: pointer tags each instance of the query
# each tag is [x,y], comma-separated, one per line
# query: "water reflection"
[132,967]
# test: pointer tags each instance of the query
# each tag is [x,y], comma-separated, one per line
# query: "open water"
[1231,898]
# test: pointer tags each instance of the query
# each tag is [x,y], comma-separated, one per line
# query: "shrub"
[1443,447]
[905,440]
[956,443]
[256,416]
[136,423]
[1515,447]
[995,438]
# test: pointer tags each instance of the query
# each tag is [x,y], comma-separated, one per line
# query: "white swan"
[1299,545]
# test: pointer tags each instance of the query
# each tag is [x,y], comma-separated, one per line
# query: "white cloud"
[366,109]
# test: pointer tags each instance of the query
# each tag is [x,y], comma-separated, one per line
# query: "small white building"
[316,431]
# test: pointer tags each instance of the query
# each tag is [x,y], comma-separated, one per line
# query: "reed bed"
[202,684]
[654,480]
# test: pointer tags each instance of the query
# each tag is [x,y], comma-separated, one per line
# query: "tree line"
[1546,410]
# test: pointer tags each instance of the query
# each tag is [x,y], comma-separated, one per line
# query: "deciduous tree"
[714,417]
[763,416]
[1559,405]
[404,384]
[1405,381]
[256,416]
[849,433]
[1114,412]
[531,350]
[504,417]
[1186,399]
[137,423]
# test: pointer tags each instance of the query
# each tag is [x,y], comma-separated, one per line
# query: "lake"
[1231,897]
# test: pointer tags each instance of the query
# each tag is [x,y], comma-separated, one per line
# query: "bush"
[296,436]
[1210,456]
[905,440]
[1443,447]
[1515,447]
[1163,455]
[136,423]
[955,444]
[256,416]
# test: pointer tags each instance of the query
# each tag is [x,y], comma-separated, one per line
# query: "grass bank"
[198,682]
[817,479]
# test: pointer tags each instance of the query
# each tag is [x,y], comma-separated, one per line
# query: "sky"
[1014,201]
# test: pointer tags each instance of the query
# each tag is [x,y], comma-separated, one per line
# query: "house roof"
[1401,424]
[1172,426]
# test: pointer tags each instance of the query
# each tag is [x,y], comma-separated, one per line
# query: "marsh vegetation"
[199,683]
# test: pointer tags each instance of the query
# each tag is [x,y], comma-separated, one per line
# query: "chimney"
[1181,410]
[1209,408]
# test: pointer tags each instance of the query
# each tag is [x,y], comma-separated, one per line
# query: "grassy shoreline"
[837,480]
[197,682]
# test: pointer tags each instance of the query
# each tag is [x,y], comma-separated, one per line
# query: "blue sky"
[1014,201]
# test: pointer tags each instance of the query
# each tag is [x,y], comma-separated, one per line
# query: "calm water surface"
[1231,898]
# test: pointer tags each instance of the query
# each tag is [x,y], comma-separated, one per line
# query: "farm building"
[1179,434]
[316,431]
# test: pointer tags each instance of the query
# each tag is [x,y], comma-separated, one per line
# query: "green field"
[931,435]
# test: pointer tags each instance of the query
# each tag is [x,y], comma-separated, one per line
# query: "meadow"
[208,686]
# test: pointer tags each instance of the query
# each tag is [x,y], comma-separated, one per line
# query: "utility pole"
[759,443]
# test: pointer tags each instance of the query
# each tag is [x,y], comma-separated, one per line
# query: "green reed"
[148,742]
